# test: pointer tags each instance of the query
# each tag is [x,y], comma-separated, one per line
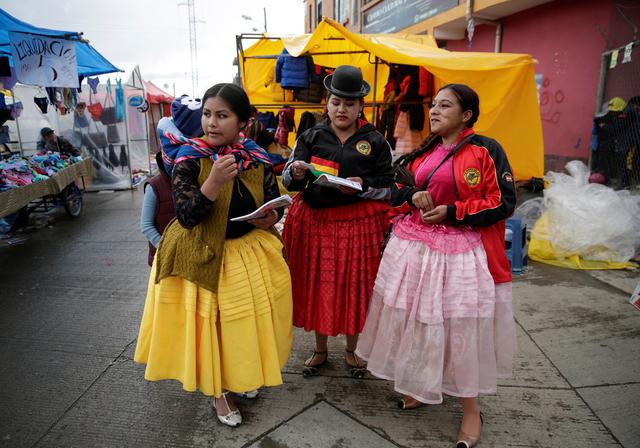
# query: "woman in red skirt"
[333,235]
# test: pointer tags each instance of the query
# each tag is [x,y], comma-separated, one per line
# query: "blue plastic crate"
[516,244]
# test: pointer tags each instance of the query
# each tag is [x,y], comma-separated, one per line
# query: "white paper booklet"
[329,180]
[282,201]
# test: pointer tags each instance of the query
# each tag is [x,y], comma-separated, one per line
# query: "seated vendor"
[49,141]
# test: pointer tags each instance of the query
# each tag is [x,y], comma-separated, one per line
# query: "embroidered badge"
[472,176]
[507,176]
[363,147]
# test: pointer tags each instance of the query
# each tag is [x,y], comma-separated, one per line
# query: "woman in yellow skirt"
[217,315]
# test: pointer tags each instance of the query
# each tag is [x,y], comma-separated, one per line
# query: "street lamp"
[249,18]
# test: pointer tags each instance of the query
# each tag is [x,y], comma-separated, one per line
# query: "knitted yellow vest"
[196,254]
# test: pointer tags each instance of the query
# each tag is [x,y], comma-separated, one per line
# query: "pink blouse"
[442,237]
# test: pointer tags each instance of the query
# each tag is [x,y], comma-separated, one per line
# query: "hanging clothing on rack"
[10,80]
[42,103]
[406,139]
[5,67]
[294,72]
[286,124]
[113,158]
[16,109]
[119,101]
[93,84]
[123,157]
[307,121]
[425,83]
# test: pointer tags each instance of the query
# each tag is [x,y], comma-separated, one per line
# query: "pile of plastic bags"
[585,226]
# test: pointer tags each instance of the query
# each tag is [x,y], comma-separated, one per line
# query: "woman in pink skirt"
[441,318]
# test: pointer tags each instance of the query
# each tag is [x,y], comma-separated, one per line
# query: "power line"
[193,44]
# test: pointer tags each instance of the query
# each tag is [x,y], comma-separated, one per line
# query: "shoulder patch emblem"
[507,176]
[471,176]
[363,147]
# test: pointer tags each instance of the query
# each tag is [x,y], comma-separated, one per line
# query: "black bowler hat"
[347,82]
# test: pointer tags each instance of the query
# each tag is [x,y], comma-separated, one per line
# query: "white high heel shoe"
[249,394]
[233,418]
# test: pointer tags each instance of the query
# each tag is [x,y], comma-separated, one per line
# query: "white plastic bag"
[530,211]
[592,221]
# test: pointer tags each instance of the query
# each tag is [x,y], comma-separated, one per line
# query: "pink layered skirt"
[437,324]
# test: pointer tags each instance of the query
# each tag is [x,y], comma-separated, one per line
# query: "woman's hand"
[298,170]
[347,190]
[422,200]
[435,216]
[224,169]
[267,220]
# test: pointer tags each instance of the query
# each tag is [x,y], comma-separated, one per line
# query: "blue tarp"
[90,62]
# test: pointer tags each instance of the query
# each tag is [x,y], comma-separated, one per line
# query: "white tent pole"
[126,133]
[146,130]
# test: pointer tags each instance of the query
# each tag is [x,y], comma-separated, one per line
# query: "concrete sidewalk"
[70,303]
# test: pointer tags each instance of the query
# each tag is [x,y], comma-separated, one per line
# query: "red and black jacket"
[486,194]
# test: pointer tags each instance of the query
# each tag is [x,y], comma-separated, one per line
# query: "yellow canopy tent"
[509,110]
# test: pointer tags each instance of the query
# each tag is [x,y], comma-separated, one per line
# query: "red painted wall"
[563,36]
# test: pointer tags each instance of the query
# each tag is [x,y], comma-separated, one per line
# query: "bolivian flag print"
[325,166]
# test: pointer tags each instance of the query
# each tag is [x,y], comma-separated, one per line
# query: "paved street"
[71,297]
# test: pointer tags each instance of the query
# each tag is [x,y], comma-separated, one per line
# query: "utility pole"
[193,45]
[264,10]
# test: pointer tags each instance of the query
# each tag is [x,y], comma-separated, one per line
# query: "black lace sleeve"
[190,204]
[271,188]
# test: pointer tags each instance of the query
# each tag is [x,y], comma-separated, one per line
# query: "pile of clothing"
[18,171]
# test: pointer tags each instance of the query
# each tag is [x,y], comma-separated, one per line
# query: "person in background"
[334,236]
[157,207]
[217,316]
[441,316]
[49,141]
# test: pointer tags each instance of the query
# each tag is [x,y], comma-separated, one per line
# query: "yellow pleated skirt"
[238,339]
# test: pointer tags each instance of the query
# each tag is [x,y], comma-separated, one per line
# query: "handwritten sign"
[44,61]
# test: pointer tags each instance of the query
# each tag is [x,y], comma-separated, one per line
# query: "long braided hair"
[468,100]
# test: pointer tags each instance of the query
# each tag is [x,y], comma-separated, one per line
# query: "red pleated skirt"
[333,255]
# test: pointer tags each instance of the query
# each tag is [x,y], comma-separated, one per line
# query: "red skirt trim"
[333,255]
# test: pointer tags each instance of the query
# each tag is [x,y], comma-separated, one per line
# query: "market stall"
[41,72]
[14,199]
[159,106]
[504,82]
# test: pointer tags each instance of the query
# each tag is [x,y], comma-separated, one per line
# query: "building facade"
[587,50]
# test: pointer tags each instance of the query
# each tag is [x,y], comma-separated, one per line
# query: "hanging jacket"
[119,101]
[486,195]
[113,157]
[307,121]
[294,72]
[124,160]
[286,124]
[366,154]
[268,120]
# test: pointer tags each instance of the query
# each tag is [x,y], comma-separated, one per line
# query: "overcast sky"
[155,33]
